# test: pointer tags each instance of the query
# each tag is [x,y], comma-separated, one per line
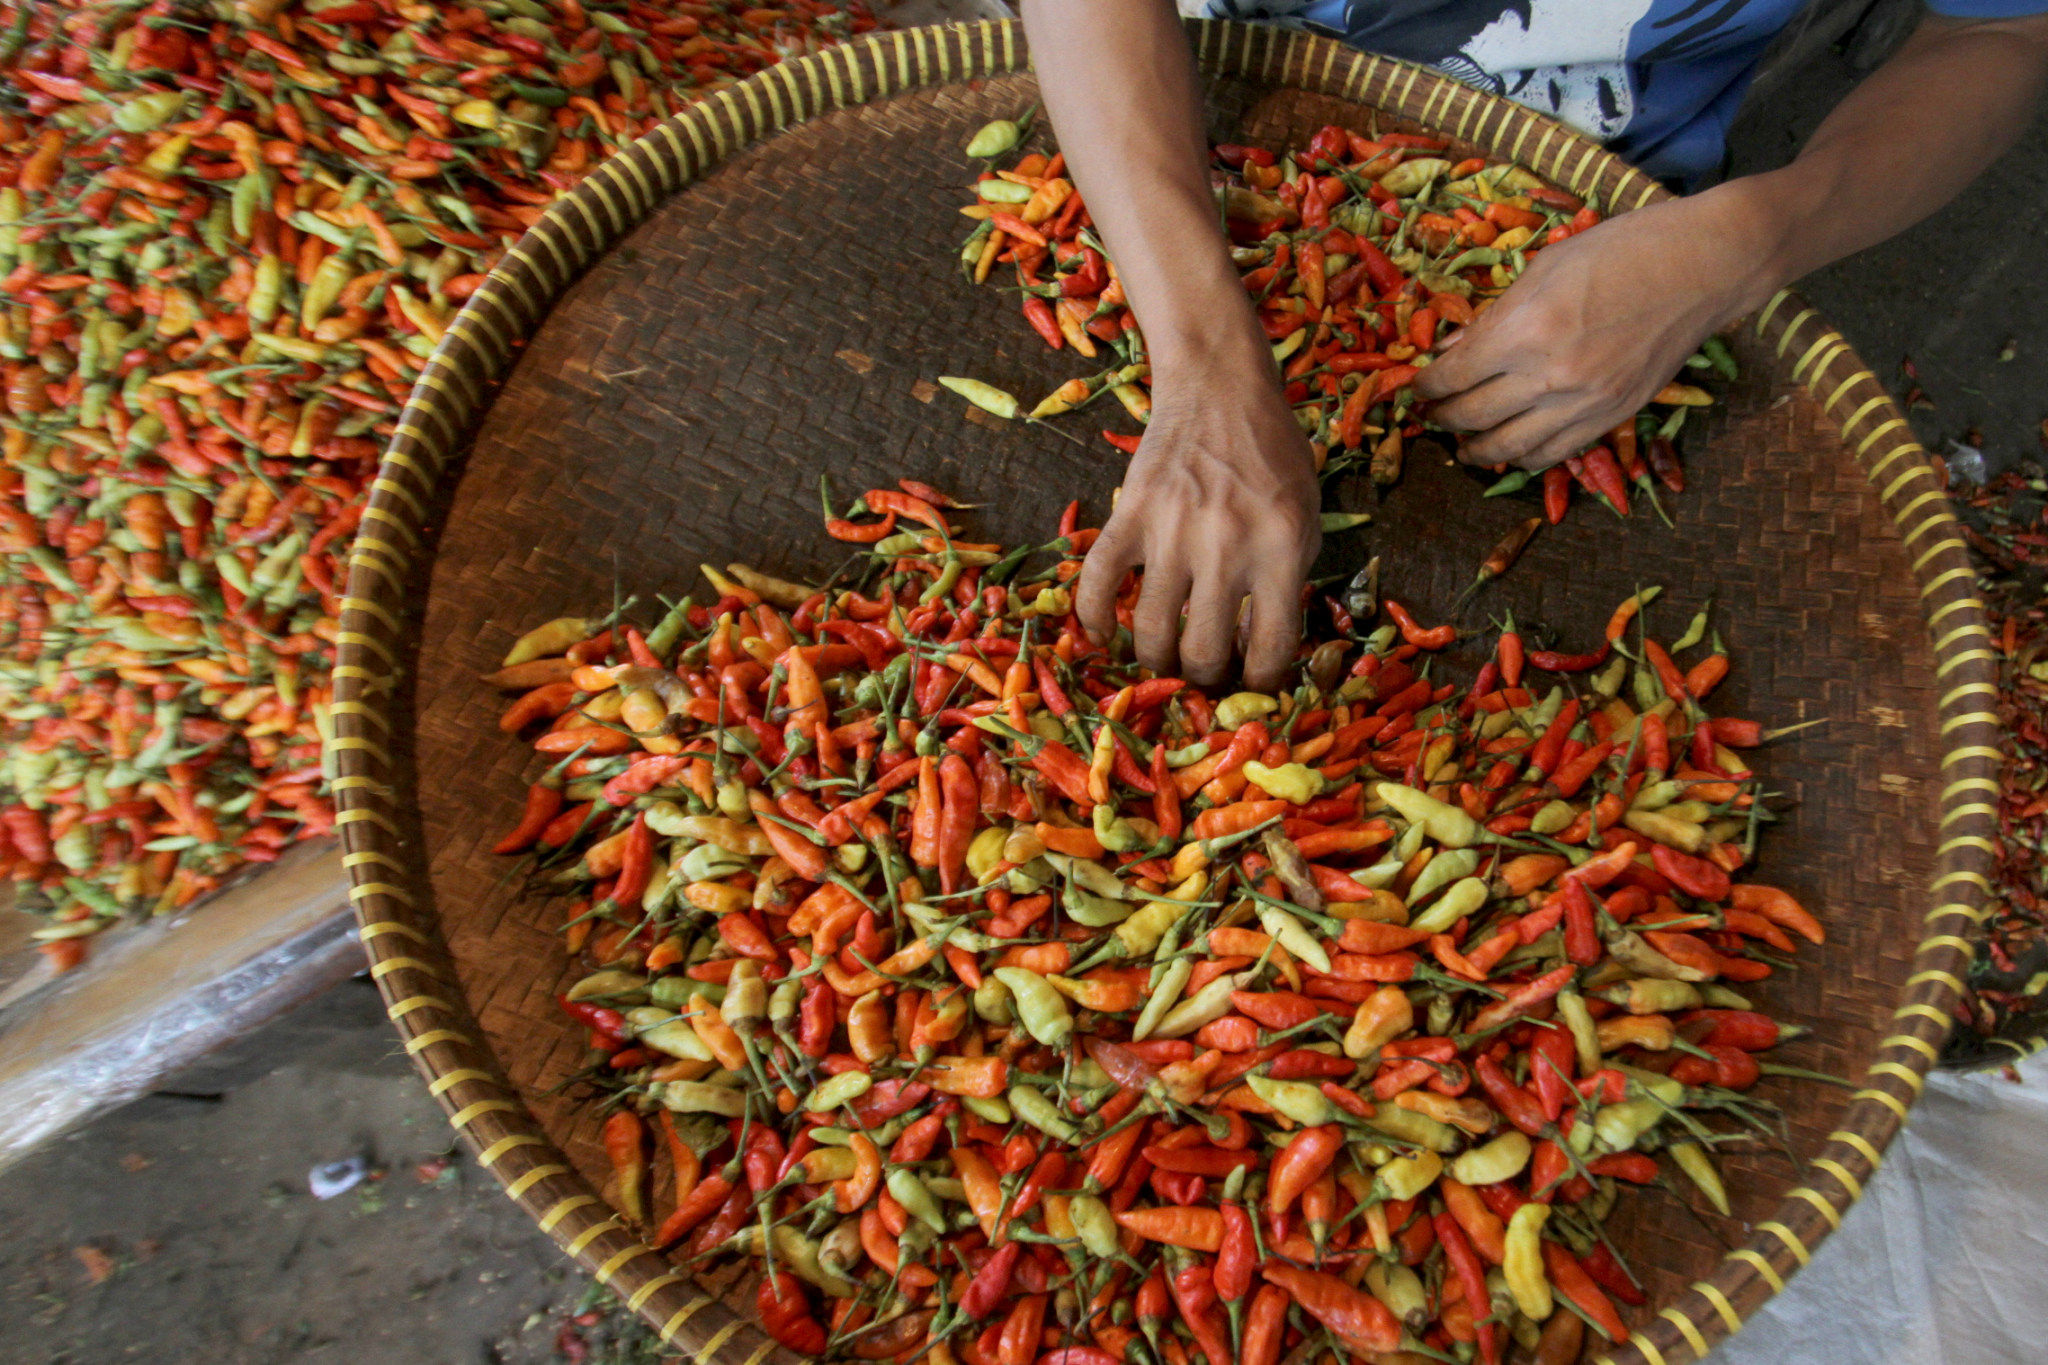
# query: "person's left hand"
[1597,324]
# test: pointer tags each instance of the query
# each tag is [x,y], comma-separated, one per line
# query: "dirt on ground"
[181,1228]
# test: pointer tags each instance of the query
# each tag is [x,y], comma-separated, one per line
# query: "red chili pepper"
[1606,1271]
[1302,1064]
[1516,1105]
[786,1314]
[991,1283]
[1664,464]
[1166,807]
[1194,1293]
[1306,1156]
[1728,1067]
[1694,876]
[1557,494]
[1634,1167]
[730,1218]
[1238,1259]
[1552,1058]
[1152,1303]
[1065,769]
[699,1204]
[1581,932]
[543,803]
[1736,734]
[636,865]
[1573,774]
[1570,1279]
[1668,672]
[1049,690]
[1358,1319]
[816,1017]
[888,500]
[1038,312]
[1385,275]
[860,533]
[1126,770]
[1745,1029]
[1471,1275]
[955,821]
[1653,745]
[915,1143]
[1437,638]
[886,1099]
[1543,756]
[607,1023]
[1550,661]
[1605,476]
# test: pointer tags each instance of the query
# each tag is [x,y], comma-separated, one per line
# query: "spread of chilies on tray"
[999,1002]
[1364,254]
[230,234]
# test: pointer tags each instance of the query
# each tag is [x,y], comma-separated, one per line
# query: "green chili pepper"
[1165,994]
[1041,1009]
[1028,1104]
[994,138]
[948,577]
[915,1197]
[1721,358]
[662,639]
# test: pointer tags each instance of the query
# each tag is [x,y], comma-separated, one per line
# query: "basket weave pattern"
[657,419]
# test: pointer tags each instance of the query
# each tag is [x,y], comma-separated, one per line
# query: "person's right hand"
[1220,503]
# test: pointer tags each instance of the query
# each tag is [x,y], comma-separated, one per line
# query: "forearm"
[1905,142]
[1119,85]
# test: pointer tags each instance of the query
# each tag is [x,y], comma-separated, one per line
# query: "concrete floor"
[180,1228]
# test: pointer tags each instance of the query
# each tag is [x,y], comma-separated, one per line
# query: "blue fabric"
[1987,9]
[1659,81]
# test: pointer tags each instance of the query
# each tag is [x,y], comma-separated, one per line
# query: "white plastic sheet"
[159,996]
[1944,1261]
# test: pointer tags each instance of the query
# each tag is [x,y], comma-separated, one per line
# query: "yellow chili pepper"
[1041,1009]
[1298,1100]
[1447,824]
[987,397]
[1699,1168]
[1409,1175]
[1523,1262]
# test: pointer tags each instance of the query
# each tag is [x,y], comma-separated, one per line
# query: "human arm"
[1599,322]
[1220,501]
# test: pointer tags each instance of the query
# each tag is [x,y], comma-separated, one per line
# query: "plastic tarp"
[156,997]
[1944,1261]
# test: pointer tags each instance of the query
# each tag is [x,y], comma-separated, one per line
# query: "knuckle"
[1203,666]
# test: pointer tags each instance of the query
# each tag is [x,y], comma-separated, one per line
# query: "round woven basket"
[707,351]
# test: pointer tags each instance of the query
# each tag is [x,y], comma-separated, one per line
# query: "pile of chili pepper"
[229,236]
[1364,254]
[1003,1003]
[2010,982]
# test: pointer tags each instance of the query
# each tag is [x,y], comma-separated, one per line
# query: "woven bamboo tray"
[706,353]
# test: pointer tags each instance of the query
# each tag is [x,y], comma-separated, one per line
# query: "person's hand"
[1596,325]
[1220,503]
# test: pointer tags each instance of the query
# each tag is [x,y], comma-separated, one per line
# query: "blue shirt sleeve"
[1987,9]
